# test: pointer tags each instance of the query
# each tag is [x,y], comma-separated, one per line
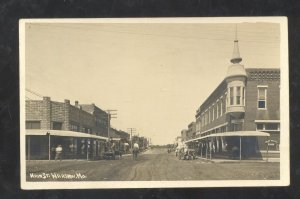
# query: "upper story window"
[56,125]
[33,125]
[262,97]
[231,90]
[74,127]
[238,95]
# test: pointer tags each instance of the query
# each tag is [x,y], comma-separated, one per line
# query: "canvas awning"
[63,133]
[232,134]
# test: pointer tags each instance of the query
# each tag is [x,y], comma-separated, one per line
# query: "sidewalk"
[218,160]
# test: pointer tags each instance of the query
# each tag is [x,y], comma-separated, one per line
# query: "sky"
[155,75]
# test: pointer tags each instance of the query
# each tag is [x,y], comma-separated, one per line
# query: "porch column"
[28,147]
[49,146]
[240,148]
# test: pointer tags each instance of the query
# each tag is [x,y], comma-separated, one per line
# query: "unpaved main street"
[152,165]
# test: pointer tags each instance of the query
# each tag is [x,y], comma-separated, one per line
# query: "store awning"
[63,133]
[233,134]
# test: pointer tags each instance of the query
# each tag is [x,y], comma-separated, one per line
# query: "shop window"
[33,125]
[262,97]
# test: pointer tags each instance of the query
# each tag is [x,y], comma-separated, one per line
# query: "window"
[260,126]
[213,113]
[262,97]
[217,109]
[74,127]
[243,93]
[56,125]
[271,126]
[221,105]
[268,126]
[33,125]
[231,96]
[238,95]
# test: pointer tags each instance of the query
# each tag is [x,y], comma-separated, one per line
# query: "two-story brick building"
[80,129]
[242,114]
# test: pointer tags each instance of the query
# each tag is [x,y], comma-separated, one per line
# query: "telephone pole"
[132,130]
[111,114]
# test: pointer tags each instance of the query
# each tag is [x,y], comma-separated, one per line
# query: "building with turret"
[241,117]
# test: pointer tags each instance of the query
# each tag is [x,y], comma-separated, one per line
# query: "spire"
[236,58]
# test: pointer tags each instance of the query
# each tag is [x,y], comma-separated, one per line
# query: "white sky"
[155,75]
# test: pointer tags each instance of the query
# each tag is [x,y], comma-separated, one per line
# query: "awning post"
[267,152]
[87,149]
[28,147]
[240,148]
[210,148]
[206,148]
[49,148]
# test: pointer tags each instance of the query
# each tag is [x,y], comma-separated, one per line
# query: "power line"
[158,35]
[35,93]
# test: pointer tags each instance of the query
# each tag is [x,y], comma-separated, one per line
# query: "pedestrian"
[58,152]
[135,150]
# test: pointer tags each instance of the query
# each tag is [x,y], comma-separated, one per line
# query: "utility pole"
[131,131]
[111,114]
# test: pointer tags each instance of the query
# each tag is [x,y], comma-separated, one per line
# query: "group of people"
[58,151]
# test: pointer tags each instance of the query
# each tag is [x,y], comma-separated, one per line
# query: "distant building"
[114,133]
[184,135]
[241,112]
[191,132]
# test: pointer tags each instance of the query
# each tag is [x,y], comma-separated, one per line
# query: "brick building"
[80,129]
[191,131]
[184,135]
[242,113]
[51,115]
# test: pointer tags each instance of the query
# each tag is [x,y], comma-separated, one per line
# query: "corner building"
[242,113]
[80,129]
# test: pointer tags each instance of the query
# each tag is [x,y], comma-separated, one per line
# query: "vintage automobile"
[186,154]
[112,155]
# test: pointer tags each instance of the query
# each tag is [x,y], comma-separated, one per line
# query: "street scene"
[153,101]
[152,165]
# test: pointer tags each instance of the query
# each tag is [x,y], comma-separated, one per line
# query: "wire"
[35,93]
[151,34]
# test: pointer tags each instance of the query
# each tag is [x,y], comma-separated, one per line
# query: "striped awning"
[63,133]
[233,134]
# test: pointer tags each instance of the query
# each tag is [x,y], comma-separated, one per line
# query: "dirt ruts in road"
[155,165]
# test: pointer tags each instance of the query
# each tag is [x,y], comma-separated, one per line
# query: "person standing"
[135,150]
[58,152]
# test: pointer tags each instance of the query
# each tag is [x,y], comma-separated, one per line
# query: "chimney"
[76,104]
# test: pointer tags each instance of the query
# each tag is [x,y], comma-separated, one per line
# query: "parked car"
[186,154]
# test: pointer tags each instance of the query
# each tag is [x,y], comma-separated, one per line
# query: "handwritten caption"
[56,176]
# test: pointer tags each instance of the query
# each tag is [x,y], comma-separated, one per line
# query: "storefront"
[41,144]
[234,145]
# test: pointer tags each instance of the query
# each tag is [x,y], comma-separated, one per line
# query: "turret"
[236,80]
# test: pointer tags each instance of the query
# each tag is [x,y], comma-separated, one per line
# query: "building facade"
[81,130]
[246,102]
[191,131]
[184,135]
